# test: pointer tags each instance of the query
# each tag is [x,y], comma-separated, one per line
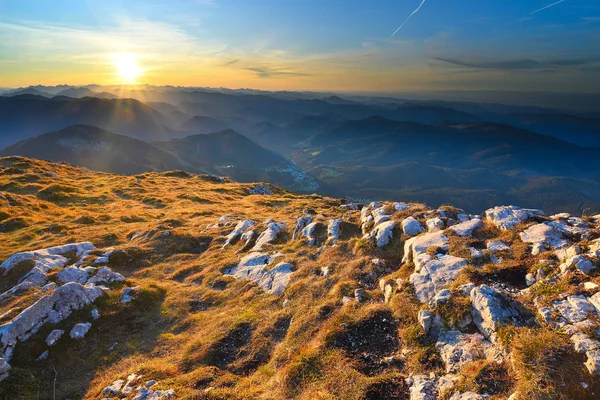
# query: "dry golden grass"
[195,330]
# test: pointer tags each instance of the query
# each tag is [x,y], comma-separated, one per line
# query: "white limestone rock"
[72,274]
[239,229]
[497,245]
[583,343]
[490,309]
[412,227]
[435,224]
[418,245]
[46,259]
[269,235]
[106,275]
[254,268]
[458,349]
[466,228]
[128,294]
[435,275]
[51,308]
[114,388]
[545,235]
[423,387]
[382,233]
[4,368]
[334,227]
[580,262]
[301,223]
[505,217]
[309,232]
[593,362]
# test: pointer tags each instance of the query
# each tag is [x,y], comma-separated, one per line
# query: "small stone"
[43,356]
[360,295]
[150,383]
[425,319]
[128,294]
[590,286]
[529,279]
[80,330]
[95,313]
[54,336]
[114,388]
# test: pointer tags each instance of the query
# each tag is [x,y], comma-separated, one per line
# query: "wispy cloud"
[548,6]
[520,64]
[269,72]
[409,17]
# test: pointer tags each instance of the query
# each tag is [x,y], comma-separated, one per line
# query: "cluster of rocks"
[427,236]
[140,390]
[76,286]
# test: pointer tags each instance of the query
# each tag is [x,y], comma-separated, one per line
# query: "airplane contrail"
[548,6]
[409,17]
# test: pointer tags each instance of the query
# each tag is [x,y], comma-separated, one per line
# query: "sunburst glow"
[127,68]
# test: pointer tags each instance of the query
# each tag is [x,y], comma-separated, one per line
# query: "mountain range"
[470,154]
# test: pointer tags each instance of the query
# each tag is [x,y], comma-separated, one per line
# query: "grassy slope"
[181,327]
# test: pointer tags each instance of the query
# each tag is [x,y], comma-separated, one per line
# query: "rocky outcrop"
[239,229]
[466,228]
[490,310]
[309,232]
[433,275]
[254,267]
[47,259]
[334,228]
[269,235]
[382,233]
[412,227]
[505,217]
[49,309]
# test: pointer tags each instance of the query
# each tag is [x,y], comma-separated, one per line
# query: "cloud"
[519,64]
[268,72]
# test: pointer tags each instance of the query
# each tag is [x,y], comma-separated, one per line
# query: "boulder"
[412,227]
[114,388]
[260,189]
[544,235]
[334,228]
[128,294]
[575,308]
[490,309]
[269,235]
[505,217]
[51,308]
[466,228]
[301,223]
[380,215]
[497,245]
[434,275]
[423,387]
[458,349]
[72,274]
[4,368]
[583,343]
[106,275]
[254,268]
[80,330]
[46,259]
[54,336]
[579,262]
[309,233]
[593,362]
[435,224]
[239,229]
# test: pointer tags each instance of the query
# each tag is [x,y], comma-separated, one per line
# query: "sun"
[127,68]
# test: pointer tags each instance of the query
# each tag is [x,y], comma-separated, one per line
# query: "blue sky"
[307,44]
